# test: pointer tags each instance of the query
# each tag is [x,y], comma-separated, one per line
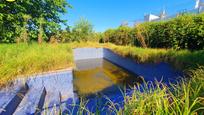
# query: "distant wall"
[87,53]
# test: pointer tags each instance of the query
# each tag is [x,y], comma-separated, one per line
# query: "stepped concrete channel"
[51,93]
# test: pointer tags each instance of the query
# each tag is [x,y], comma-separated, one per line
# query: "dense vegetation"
[39,21]
[20,23]
[23,59]
[82,31]
[186,98]
[183,32]
[27,59]
[30,20]
[183,59]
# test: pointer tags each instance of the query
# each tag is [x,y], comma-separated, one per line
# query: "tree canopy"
[34,19]
[82,30]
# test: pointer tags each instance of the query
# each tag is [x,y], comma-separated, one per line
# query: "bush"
[183,32]
[120,36]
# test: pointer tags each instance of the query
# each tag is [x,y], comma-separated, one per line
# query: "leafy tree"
[24,33]
[44,22]
[109,36]
[82,30]
[123,36]
[120,36]
[65,36]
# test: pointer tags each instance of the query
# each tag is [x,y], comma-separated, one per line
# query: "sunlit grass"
[23,59]
[185,97]
[182,59]
[182,98]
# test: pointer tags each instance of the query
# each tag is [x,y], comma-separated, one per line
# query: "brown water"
[97,75]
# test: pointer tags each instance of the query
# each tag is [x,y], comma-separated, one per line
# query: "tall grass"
[24,59]
[184,98]
[182,59]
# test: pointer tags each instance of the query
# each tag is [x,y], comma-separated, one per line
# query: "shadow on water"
[99,84]
[101,76]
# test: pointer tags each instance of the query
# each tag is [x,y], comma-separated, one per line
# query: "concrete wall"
[150,72]
[87,53]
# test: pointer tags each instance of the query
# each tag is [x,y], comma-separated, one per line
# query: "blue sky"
[104,14]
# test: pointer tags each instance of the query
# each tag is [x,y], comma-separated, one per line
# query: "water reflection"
[93,76]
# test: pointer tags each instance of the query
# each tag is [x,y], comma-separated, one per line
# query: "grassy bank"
[23,59]
[182,59]
[27,59]
[187,97]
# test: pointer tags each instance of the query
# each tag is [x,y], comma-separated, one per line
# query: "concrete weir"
[50,93]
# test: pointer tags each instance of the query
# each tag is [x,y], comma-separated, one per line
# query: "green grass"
[23,59]
[186,98]
[183,98]
[182,59]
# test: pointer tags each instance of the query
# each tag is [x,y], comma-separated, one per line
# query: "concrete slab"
[11,96]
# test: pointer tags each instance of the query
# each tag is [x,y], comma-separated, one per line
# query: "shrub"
[120,36]
[183,32]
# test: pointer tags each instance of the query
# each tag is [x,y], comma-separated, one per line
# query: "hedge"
[183,32]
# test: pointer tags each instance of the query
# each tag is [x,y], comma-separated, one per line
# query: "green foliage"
[182,59]
[26,59]
[18,15]
[82,30]
[183,32]
[109,36]
[140,35]
[120,36]
[184,98]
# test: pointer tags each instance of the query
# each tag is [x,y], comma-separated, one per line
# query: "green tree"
[123,36]
[41,23]
[82,30]
[109,36]
[24,33]
[12,17]
[120,36]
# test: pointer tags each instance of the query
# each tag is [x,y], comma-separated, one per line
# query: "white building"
[199,5]
[152,17]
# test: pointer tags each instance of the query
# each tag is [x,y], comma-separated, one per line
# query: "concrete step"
[52,103]
[42,93]
[57,93]
[33,102]
[11,96]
